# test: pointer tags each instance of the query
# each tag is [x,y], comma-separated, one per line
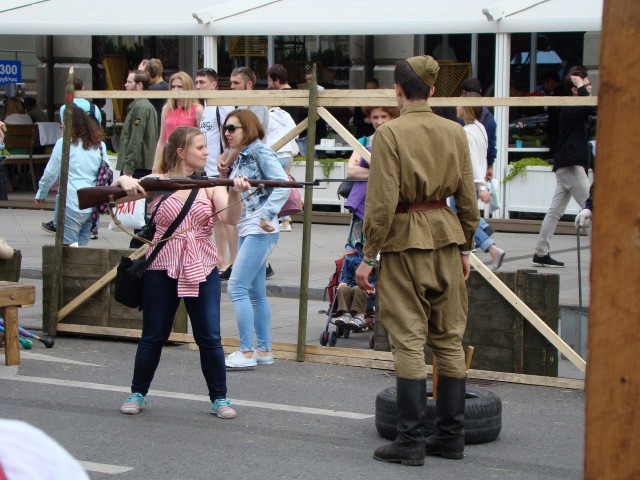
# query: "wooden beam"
[327,355]
[344,133]
[331,98]
[613,379]
[56,273]
[529,314]
[301,127]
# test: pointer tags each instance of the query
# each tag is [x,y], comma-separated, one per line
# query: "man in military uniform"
[140,132]
[418,160]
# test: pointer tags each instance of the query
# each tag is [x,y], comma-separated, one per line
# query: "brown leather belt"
[418,207]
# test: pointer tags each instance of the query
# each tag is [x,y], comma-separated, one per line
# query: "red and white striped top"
[188,256]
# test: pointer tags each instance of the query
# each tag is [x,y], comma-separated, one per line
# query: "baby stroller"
[328,337]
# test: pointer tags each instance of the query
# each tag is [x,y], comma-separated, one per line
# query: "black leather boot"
[448,439]
[408,447]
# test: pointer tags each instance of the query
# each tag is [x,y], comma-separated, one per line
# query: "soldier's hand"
[466,266]
[362,278]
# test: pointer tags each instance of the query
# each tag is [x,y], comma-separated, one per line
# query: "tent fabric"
[292,17]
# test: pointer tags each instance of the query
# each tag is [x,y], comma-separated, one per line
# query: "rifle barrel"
[93,196]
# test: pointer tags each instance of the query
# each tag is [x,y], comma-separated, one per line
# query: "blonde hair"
[181,137]
[187,84]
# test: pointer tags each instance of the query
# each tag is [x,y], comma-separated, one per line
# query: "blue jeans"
[77,226]
[160,302]
[483,241]
[247,289]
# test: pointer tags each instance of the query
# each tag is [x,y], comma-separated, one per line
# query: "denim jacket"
[259,161]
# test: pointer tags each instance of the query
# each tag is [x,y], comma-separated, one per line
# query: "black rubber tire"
[346,333]
[324,338]
[333,339]
[482,414]
[372,341]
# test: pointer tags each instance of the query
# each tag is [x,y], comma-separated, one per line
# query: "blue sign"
[10,71]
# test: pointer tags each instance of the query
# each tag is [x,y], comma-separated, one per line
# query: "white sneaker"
[357,323]
[238,361]
[343,319]
[266,359]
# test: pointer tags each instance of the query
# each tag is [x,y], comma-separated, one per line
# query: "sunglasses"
[231,128]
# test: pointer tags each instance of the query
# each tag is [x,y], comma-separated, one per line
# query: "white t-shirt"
[478,145]
[281,123]
[209,127]
[249,223]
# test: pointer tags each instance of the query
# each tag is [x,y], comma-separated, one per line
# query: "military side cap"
[425,67]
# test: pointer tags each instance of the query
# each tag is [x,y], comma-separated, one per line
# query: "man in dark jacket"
[570,165]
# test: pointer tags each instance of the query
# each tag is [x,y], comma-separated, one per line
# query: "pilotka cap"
[425,67]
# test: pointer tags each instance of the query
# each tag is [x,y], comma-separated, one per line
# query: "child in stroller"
[350,309]
[352,301]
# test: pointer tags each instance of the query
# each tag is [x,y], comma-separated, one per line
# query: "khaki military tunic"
[420,157]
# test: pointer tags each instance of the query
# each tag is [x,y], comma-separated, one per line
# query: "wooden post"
[613,376]
[306,229]
[11,336]
[62,205]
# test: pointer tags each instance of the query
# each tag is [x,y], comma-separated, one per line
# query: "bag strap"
[174,226]
[219,128]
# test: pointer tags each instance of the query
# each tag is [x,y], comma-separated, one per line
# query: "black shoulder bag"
[130,273]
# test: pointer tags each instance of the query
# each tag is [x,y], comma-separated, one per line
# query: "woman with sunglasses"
[258,233]
[184,268]
[177,112]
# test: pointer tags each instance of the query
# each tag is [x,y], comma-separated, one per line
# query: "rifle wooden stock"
[93,196]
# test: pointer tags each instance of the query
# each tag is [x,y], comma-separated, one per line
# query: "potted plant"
[334,168]
[530,185]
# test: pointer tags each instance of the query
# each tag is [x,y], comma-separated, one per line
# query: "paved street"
[295,420]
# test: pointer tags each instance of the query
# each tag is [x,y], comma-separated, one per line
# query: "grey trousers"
[570,182]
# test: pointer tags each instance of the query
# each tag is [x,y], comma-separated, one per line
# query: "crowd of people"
[401,222]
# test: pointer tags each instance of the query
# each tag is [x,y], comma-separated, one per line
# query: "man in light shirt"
[213,118]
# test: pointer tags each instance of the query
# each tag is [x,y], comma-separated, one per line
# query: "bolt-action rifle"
[93,196]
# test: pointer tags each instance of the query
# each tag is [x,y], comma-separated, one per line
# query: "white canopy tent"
[295,17]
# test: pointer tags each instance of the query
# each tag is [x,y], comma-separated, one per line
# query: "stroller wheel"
[324,338]
[372,341]
[347,332]
[333,339]
[342,332]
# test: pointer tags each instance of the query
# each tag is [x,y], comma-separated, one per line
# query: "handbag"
[130,273]
[344,189]
[294,204]
[494,190]
[130,214]
[105,178]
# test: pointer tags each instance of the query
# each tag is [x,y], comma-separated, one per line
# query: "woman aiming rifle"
[184,268]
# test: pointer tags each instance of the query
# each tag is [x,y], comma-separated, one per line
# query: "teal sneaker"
[133,404]
[221,408]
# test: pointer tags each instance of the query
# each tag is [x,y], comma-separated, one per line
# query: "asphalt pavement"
[295,420]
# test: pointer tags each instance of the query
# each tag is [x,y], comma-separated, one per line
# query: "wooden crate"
[10,269]
[81,268]
[504,340]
